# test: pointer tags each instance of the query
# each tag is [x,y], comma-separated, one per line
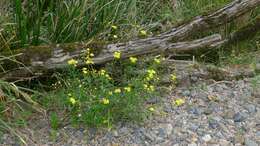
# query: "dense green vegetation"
[47,21]
[98,96]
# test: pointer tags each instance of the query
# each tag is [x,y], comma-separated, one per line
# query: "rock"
[168,128]
[115,133]
[251,108]
[206,138]
[195,111]
[194,78]
[194,127]
[123,131]
[258,134]
[213,124]
[150,136]
[239,139]
[186,93]
[238,117]
[249,142]
[192,144]
[208,111]
[224,142]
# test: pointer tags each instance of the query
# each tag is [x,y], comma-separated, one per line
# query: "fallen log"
[35,61]
[203,23]
[59,56]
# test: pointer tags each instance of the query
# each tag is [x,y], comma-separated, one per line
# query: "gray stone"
[249,142]
[150,136]
[251,108]
[195,111]
[213,124]
[194,127]
[186,93]
[123,131]
[208,111]
[192,144]
[238,117]
[224,142]
[258,134]
[206,138]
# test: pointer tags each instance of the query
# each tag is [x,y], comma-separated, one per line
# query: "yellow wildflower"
[127,89]
[151,88]
[84,70]
[110,93]
[73,62]
[117,55]
[179,102]
[89,61]
[105,101]
[114,27]
[115,36]
[133,60]
[72,100]
[91,55]
[151,109]
[151,74]
[108,77]
[145,86]
[102,72]
[173,77]
[156,60]
[143,32]
[118,90]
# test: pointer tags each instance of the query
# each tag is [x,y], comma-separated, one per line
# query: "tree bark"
[37,60]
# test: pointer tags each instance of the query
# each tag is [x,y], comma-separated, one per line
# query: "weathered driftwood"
[59,56]
[37,60]
[203,23]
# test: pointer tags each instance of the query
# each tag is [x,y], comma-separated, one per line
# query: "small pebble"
[206,138]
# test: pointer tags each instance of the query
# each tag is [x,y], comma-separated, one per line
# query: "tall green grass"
[59,21]
[49,21]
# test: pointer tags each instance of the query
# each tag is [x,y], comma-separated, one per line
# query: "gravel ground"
[225,113]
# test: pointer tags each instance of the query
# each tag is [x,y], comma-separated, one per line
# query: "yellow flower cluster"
[151,109]
[149,88]
[105,101]
[133,60]
[173,77]
[84,70]
[179,102]
[73,62]
[114,27]
[128,89]
[118,90]
[150,74]
[117,55]
[157,60]
[115,36]
[72,99]
[143,33]
[103,72]
[89,56]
